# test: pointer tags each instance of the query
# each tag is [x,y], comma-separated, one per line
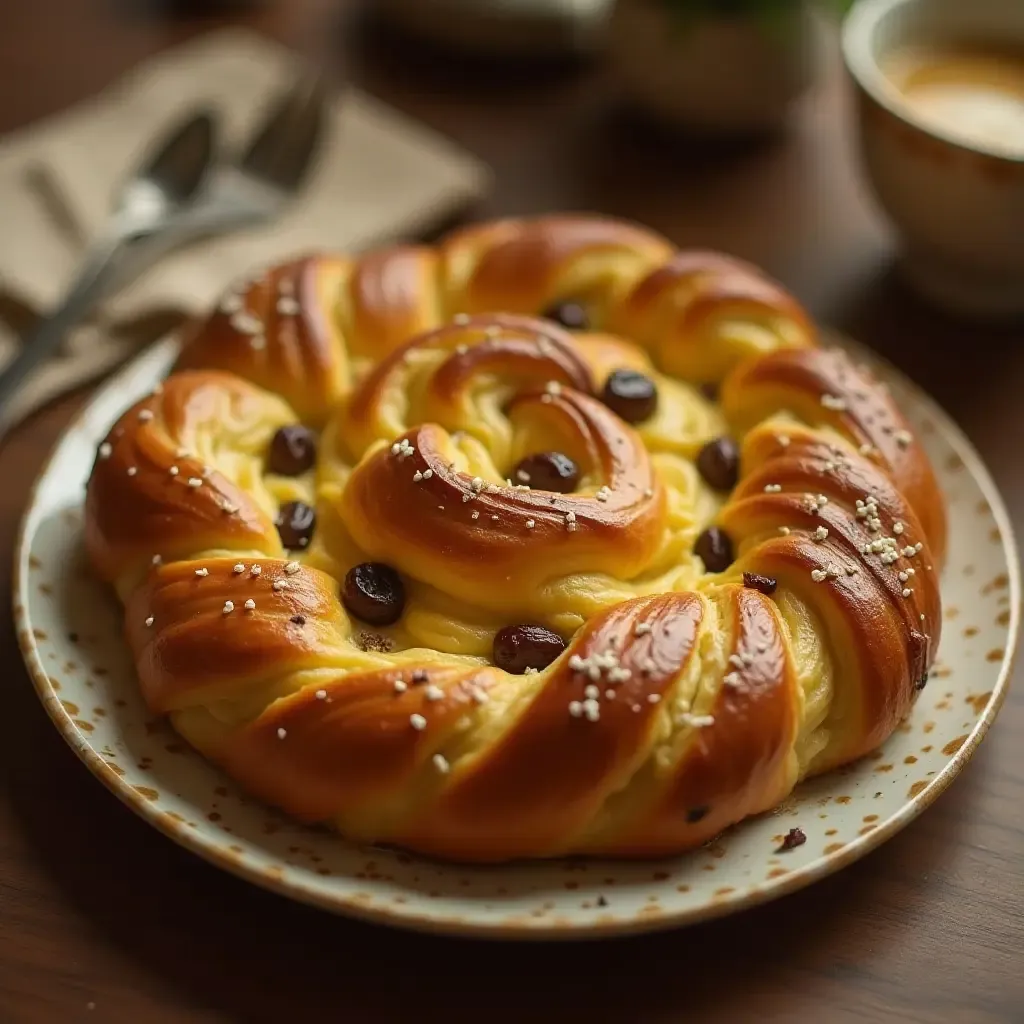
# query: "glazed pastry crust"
[685,700]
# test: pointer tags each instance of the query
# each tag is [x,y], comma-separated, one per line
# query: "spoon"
[165,182]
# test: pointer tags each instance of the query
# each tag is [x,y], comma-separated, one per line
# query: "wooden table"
[102,919]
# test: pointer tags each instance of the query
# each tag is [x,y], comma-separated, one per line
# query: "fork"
[256,186]
[167,180]
[251,190]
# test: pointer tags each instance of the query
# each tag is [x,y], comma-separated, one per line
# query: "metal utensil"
[268,173]
[165,182]
[252,188]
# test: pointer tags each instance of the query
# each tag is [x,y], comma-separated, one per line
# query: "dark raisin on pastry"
[547,471]
[292,450]
[517,648]
[765,584]
[373,592]
[714,548]
[631,394]
[571,315]
[719,463]
[296,524]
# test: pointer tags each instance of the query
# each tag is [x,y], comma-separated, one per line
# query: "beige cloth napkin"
[381,176]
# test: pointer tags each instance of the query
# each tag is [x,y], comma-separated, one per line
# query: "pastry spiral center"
[429,444]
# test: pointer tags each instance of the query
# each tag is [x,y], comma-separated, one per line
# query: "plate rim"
[453,924]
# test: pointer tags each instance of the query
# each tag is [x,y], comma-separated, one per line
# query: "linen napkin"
[379,176]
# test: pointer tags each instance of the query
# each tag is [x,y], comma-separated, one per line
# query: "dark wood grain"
[102,919]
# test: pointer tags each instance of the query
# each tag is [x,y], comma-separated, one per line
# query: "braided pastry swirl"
[658,636]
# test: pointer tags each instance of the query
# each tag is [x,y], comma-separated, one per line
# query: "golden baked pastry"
[548,539]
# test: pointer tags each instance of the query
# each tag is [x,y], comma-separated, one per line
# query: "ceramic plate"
[70,632]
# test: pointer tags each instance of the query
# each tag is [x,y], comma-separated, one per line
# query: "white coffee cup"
[958,203]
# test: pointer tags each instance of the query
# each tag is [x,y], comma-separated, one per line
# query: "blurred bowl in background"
[528,28]
[730,73]
[940,98]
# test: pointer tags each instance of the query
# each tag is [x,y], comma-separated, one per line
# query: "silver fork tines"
[258,183]
[284,147]
[154,217]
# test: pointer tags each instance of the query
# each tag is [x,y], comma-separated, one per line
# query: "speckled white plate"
[69,628]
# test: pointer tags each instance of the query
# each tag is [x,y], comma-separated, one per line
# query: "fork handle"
[40,343]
